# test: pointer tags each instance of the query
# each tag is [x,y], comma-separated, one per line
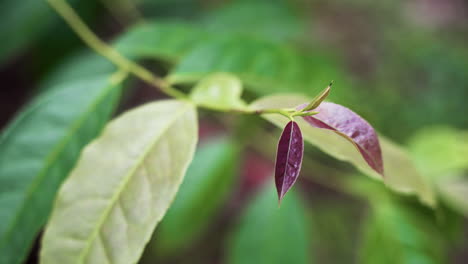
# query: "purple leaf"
[288,158]
[351,126]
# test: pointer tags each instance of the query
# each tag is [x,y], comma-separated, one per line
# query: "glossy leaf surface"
[81,65]
[263,66]
[288,158]
[220,90]
[267,234]
[38,150]
[159,39]
[400,172]
[271,20]
[352,127]
[128,176]
[206,187]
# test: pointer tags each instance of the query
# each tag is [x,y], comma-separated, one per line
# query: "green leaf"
[82,65]
[122,186]
[271,20]
[453,191]
[206,187]
[264,66]
[22,22]
[39,149]
[268,234]
[159,39]
[440,150]
[400,172]
[398,233]
[220,90]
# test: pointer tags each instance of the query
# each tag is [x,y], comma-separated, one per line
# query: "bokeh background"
[401,64]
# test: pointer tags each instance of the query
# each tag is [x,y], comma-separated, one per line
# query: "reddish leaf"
[288,158]
[351,126]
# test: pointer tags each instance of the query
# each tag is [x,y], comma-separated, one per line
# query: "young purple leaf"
[288,158]
[351,126]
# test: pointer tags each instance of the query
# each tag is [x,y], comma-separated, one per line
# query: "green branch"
[75,22]
[128,66]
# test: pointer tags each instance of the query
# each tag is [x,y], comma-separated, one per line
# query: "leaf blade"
[352,127]
[168,40]
[127,178]
[46,138]
[263,66]
[288,158]
[219,90]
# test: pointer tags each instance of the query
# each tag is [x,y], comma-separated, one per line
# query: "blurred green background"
[402,65]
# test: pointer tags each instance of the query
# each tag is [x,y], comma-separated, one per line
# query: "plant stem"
[127,65]
[75,22]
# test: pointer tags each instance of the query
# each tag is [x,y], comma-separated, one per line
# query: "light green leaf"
[159,39]
[206,187]
[268,234]
[400,172]
[440,151]
[219,90]
[263,66]
[454,192]
[122,186]
[39,149]
[398,233]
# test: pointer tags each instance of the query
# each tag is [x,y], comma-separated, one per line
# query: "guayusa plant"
[102,187]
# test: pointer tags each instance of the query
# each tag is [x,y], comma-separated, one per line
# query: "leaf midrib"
[126,179]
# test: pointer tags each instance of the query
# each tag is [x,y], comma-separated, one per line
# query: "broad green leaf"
[265,67]
[39,149]
[400,172]
[82,65]
[159,39]
[28,22]
[268,234]
[271,20]
[454,192]
[220,90]
[122,186]
[206,187]
[440,150]
[398,233]
[22,22]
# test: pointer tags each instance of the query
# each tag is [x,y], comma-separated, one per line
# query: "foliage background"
[403,65]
